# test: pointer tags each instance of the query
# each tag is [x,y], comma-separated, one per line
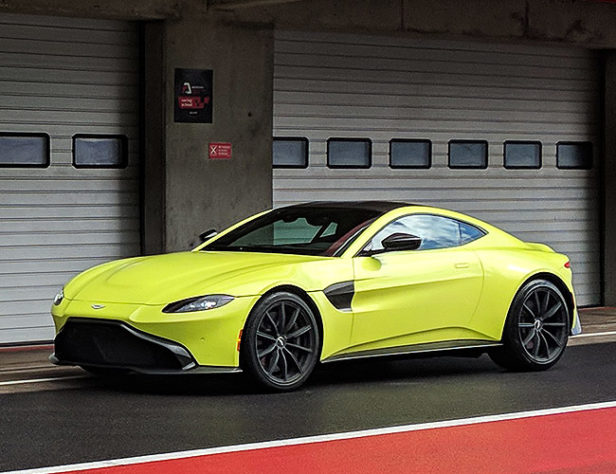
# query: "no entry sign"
[220,151]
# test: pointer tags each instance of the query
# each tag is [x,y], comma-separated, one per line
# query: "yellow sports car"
[322,282]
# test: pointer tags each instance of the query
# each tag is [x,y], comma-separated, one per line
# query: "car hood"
[161,279]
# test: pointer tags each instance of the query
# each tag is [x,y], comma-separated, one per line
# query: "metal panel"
[337,85]
[64,76]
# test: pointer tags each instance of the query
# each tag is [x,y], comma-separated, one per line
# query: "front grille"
[112,343]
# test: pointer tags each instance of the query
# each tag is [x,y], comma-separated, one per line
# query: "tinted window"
[468,154]
[468,233]
[435,231]
[100,151]
[24,150]
[300,230]
[349,153]
[574,155]
[410,153]
[290,152]
[522,155]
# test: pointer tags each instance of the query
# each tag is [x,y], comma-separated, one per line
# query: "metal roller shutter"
[335,85]
[62,77]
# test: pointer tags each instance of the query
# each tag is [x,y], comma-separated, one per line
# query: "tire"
[537,328]
[280,342]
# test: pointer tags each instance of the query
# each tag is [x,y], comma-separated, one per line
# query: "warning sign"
[220,151]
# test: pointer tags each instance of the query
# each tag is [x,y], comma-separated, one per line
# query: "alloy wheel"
[286,342]
[542,325]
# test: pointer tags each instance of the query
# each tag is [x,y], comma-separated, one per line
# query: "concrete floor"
[90,419]
[599,319]
[596,322]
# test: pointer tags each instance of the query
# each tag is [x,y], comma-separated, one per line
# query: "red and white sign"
[220,151]
[192,102]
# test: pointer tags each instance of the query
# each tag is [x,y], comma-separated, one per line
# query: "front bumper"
[114,344]
[211,337]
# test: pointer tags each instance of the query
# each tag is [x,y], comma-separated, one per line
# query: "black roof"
[378,206]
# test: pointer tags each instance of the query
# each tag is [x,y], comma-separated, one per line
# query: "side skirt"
[443,346]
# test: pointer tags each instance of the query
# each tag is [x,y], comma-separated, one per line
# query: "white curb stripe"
[48,379]
[317,439]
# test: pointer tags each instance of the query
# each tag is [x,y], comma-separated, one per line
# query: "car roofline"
[382,207]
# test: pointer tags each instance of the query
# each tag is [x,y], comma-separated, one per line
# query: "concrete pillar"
[197,193]
[153,186]
[609,181]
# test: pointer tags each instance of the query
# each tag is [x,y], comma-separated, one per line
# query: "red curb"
[36,347]
[577,442]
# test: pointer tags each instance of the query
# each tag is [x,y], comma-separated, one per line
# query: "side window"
[290,153]
[574,155]
[100,151]
[468,233]
[19,150]
[522,155]
[436,232]
[349,153]
[410,153]
[468,154]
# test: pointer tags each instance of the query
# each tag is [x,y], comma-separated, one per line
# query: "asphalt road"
[89,419]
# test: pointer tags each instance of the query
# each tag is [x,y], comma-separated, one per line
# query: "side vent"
[340,295]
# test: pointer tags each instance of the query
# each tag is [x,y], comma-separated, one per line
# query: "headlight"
[59,297]
[198,303]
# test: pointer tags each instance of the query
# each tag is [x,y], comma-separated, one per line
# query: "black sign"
[193,95]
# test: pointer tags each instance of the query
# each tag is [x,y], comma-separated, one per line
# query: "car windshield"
[325,231]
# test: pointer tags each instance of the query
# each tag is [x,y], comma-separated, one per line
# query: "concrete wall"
[564,21]
[572,21]
[116,9]
[201,193]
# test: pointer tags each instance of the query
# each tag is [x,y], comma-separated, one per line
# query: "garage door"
[69,188]
[506,133]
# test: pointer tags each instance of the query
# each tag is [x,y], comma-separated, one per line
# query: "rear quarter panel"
[505,271]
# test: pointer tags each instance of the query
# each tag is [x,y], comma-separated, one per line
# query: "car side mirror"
[401,241]
[208,234]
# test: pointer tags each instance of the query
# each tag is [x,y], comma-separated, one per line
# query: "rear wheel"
[280,342]
[536,330]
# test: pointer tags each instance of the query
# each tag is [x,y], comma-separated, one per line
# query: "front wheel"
[536,330]
[280,342]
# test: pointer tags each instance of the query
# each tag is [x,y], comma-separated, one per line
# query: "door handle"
[462,265]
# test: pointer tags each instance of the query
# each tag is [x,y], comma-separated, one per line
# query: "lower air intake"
[91,342]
